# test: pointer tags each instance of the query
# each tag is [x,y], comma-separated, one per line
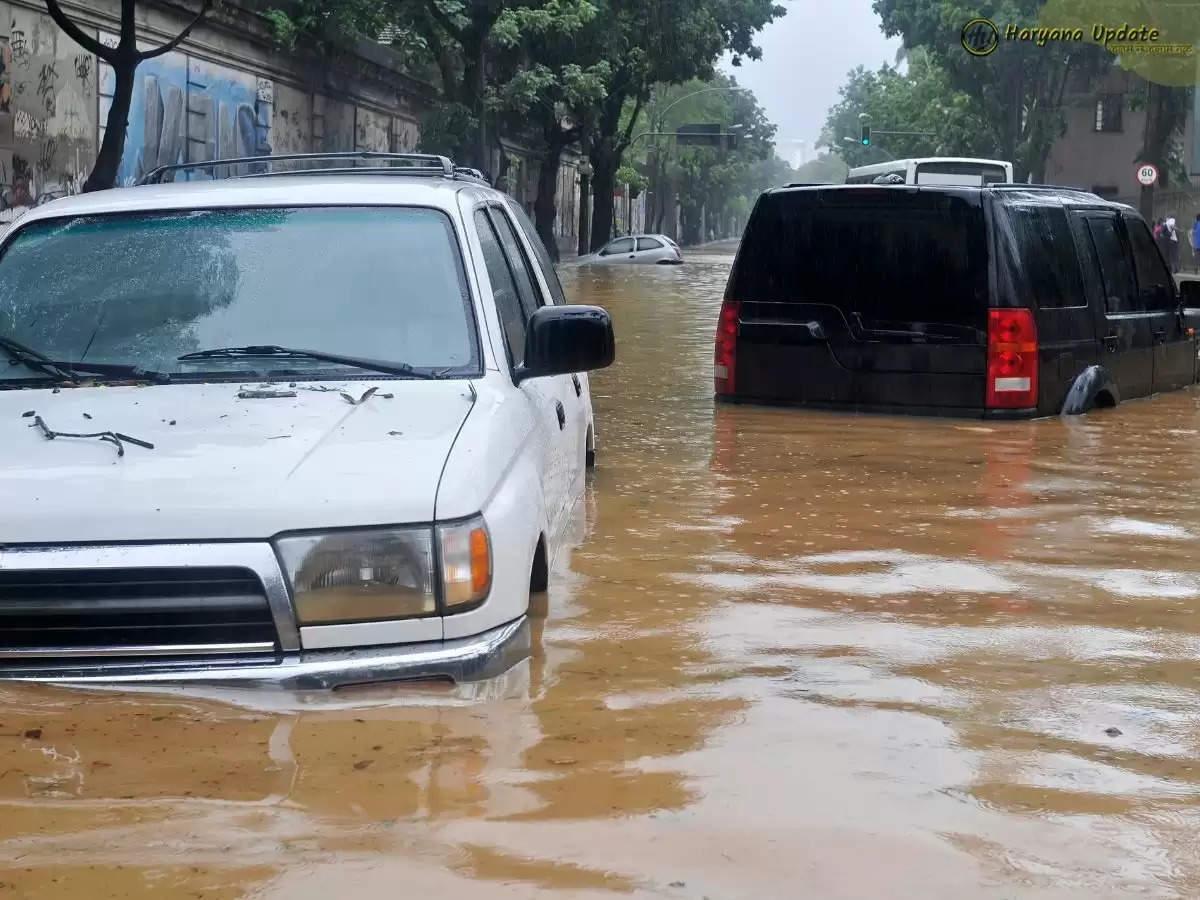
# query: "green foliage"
[709,177]
[445,128]
[921,100]
[629,176]
[326,21]
[1016,93]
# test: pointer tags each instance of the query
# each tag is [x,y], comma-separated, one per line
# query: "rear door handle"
[561,413]
[1112,341]
[578,386]
[1160,335]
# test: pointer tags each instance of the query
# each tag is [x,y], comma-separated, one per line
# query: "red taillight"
[1012,359]
[725,356]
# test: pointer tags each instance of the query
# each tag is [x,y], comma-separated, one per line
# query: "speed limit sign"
[1147,174]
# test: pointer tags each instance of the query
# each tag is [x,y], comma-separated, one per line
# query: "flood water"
[794,654]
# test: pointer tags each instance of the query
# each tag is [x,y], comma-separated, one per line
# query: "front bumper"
[475,658]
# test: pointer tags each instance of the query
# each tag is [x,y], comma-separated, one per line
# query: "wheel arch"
[1093,388]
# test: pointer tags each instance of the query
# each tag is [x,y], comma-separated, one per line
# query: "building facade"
[1099,150]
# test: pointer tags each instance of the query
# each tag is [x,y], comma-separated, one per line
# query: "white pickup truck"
[310,429]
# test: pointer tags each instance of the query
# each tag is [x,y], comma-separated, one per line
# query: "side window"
[622,245]
[539,250]
[527,289]
[1153,279]
[504,289]
[648,244]
[1047,253]
[1114,266]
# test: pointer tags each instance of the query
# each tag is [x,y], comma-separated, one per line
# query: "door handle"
[1160,335]
[561,413]
[1112,342]
[578,386]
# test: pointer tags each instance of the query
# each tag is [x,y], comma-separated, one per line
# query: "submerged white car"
[308,429]
[657,249]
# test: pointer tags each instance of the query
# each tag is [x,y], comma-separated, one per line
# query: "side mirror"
[1189,294]
[560,340]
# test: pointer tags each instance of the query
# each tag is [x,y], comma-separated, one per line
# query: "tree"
[744,169]
[552,82]
[1018,88]
[669,41]
[124,59]
[921,100]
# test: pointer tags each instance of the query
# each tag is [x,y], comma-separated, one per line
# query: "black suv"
[1006,301]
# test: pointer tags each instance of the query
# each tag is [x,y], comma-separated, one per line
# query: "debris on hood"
[367,394]
[259,394]
[113,437]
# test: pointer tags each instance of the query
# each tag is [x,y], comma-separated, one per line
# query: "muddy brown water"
[793,655]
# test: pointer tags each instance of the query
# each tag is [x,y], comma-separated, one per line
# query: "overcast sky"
[806,55]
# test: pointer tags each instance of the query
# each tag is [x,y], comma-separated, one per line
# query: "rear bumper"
[476,658]
[951,412]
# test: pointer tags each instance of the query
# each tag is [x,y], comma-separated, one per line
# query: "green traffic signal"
[866,135]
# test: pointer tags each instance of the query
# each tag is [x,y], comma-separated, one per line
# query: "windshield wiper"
[31,358]
[68,371]
[270,350]
[114,370]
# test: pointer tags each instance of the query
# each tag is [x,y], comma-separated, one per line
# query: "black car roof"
[1026,193]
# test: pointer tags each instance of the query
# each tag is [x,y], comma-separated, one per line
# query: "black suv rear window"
[881,255]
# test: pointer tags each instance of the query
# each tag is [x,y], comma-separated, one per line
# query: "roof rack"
[425,164]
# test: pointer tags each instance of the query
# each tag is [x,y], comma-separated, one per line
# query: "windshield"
[145,289]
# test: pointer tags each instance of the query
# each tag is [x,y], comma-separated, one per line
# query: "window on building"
[1108,112]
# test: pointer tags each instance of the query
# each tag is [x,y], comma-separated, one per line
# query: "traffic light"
[866,135]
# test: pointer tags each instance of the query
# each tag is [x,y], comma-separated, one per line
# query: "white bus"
[936,170]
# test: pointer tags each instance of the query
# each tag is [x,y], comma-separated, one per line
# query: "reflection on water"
[787,644]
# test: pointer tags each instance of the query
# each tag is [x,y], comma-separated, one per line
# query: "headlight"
[360,576]
[466,562]
[368,575]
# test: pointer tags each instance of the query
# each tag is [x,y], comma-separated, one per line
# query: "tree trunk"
[585,214]
[108,160]
[1152,143]
[604,178]
[544,203]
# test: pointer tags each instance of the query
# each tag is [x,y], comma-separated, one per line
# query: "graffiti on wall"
[47,113]
[189,110]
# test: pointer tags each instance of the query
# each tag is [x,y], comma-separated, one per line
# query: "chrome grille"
[176,611]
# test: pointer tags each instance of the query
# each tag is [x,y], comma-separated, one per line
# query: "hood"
[223,467]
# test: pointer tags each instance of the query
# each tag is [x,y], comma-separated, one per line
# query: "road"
[793,655]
